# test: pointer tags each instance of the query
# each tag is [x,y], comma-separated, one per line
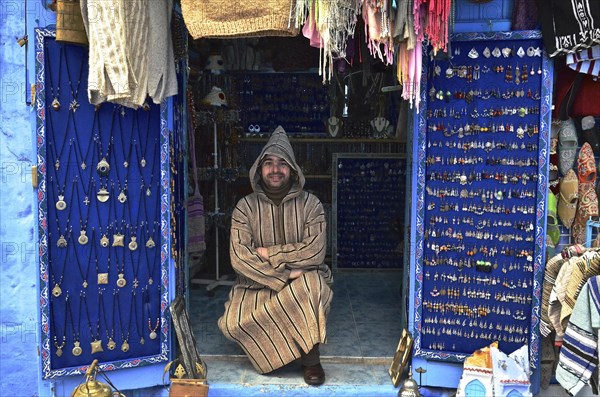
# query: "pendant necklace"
[83,221]
[121,282]
[103,167]
[127,153]
[103,231]
[103,277]
[148,191]
[137,323]
[61,204]
[118,237]
[74,104]
[133,245]
[122,185]
[59,347]
[109,335]
[52,143]
[55,102]
[150,264]
[76,331]
[82,160]
[57,290]
[124,337]
[136,267]
[85,276]
[61,242]
[152,330]
[96,344]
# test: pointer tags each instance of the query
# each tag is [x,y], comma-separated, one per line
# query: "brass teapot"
[93,387]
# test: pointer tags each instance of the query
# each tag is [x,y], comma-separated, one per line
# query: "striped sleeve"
[244,257]
[579,353]
[309,253]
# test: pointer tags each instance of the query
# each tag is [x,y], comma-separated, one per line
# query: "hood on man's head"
[278,145]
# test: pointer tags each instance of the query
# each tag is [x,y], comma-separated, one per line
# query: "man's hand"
[295,273]
[263,253]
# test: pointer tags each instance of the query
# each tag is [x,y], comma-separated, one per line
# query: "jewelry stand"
[219,280]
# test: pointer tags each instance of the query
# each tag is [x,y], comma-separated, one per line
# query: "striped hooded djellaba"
[271,317]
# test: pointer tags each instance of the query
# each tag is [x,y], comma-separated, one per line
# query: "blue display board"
[368,210]
[480,190]
[103,212]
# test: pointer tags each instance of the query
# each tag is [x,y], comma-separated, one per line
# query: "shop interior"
[349,136]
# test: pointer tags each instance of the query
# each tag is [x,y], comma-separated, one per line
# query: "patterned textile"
[579,353]
[585,61]
[552,268]
[271,317]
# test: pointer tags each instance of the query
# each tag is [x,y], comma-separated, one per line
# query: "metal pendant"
[85,284]
[102,278]
[96,346]
[153,335]
[121,282]
[125,347]
[59,351]
[73,105]
[122,197]
[118,240]
[83,165]
[60,203]
[61,242]
[148,192]
[77,349]
[55,104]
[150,243]
[143,162]
[125,163]
[111,344]
[56,291]
[104,241]
[142,340]
[103,195]
[103,167]
[82,239]
[133,243]
[150,281]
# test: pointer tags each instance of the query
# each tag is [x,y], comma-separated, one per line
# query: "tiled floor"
[364,321]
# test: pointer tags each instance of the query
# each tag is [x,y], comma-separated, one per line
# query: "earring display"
[91,274]
[368,213]
[481,190]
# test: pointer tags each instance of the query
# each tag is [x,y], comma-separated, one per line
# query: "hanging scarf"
[378,32]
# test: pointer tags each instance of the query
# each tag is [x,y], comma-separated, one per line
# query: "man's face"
[275,171]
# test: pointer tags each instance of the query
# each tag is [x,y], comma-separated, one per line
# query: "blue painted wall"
[18,251]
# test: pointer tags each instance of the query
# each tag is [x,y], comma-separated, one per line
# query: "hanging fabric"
[221,19]
[69,23]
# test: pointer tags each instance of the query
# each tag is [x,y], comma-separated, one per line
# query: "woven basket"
[247,18]
[69,23]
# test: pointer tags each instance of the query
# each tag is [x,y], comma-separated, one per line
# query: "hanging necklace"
[127,153]
[59,347]
[103,167]
[83,221]
[133,245]
[145,147]
[122,186]
[81,158]
[96,344]
[118,237]
[137,323]
[136,268]
[109,335]
[60,204]
[124,337]
[76,331]
[121,282]
[56,290]
[61,242]
[52,143]
[74,104]
[103,277]
[150,264]
[103,231]
[152,330]
[84,277]
[55,102]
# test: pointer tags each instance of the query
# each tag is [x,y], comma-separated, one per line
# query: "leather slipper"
[567,145]
[586,164]
[586,208]
[567,198]
[552,228]
[588,132]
